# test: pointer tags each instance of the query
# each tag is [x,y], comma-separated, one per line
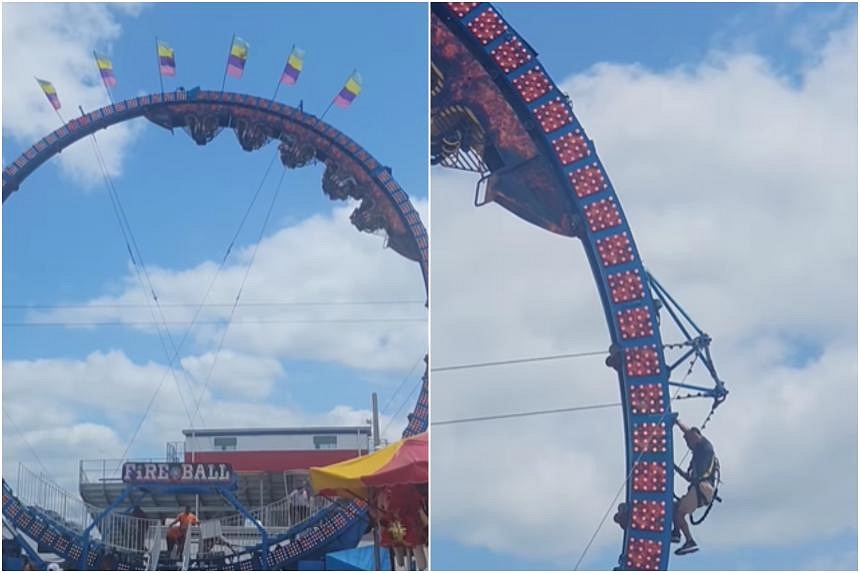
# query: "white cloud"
[252,375]
[741,190]
[326,261]
[55,42]
[61,411]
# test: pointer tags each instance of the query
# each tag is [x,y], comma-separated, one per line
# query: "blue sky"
[703,115]
[62,244]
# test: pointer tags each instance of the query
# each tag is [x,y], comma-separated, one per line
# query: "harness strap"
[700,496]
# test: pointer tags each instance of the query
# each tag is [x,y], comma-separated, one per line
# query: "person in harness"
[702,475]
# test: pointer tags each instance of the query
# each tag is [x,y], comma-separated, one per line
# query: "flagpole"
[158,67]
[104,83]
[331,103]
[278,87]
[224,81]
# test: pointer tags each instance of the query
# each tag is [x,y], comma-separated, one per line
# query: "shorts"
[691,500]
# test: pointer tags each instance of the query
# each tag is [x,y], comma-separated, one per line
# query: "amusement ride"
[44,518]
[496,112]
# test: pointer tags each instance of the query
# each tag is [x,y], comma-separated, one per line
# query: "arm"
[684,474]
[681,425]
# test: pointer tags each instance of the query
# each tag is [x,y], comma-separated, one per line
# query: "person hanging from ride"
[702,475]
[622,516]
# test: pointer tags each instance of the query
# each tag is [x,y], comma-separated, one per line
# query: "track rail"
[559,183]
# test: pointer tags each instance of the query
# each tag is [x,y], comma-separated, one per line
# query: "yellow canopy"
[344,478]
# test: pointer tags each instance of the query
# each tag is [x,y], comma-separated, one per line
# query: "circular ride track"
[496,112]
[350,172]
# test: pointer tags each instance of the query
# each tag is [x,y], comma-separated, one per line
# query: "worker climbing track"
[496,112]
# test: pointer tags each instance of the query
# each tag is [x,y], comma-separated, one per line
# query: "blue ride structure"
[497,112]
[350,172]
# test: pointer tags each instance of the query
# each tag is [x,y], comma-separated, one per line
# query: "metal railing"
[126,532]
[117,530]
[186,549]
[283,513]
[51,500]
[175,451]
[122,531]
[156,541]
[106,471]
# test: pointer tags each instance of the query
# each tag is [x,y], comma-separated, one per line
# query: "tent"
[403,462]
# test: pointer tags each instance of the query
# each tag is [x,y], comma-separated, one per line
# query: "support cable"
[402,405]
[199,322]
[29,446]
[542,412]
[200,307]
[212,304]
[518,361]
[133,249]
[526,414]
[402,382]
[238,297]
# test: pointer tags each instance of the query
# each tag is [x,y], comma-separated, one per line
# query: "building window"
[225,444]
[325,442]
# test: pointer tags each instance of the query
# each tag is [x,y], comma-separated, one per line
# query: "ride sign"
[177,473]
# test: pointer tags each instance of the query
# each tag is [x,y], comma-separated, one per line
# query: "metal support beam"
[85,536]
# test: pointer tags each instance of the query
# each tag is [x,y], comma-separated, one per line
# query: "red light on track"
[487,27]
[615,249]
[532,84]
[602,214]
[461,8]
[649,477]
[643,554]
[571,147]
[626,286]
[649,437]
[553,115]
[511,55]
[642,361]
[635,323]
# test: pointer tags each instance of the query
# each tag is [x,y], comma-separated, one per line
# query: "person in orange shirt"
[184,519]
[173,535]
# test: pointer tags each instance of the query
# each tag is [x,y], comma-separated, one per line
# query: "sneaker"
[689,547]
[676,537]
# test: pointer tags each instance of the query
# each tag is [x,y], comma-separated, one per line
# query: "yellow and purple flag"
[294,66]
[50,93]
[106,70]
[166,60]
[349,92]
[238,57]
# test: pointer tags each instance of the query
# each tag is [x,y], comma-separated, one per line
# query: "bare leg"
[399,558]
[421,557]
[681,523]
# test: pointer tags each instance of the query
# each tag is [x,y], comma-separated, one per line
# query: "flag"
[166,60]
[294,66]
[349,92]
[238,57]
[50,93]
[106,70]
